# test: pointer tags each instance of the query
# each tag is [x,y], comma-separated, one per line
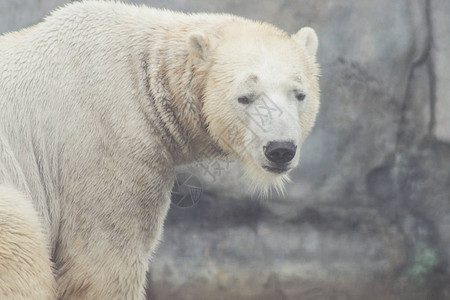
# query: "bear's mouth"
[277,170]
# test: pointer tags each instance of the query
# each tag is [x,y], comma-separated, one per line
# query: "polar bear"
[101,101]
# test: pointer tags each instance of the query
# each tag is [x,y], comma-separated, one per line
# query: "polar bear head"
[261,95]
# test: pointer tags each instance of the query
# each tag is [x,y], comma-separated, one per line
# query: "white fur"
[100,101]
[25,267]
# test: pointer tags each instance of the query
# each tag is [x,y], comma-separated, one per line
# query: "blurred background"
[367,215]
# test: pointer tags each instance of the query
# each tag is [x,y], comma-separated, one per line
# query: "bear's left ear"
[307,38]
[199,46]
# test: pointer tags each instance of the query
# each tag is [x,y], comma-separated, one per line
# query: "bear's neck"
[173,91]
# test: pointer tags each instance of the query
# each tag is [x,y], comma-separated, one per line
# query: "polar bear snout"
[280,152]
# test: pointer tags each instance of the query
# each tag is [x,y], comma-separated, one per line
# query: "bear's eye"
[244,100]
[299,95]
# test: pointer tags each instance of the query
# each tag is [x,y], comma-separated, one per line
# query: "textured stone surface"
[17,14]
[367,215]
[441,60]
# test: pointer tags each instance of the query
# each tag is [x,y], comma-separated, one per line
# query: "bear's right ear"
[307,38]
[199,46]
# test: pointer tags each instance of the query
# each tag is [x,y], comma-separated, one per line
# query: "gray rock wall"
[367,215]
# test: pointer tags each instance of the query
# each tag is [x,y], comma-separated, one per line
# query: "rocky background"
[367,215]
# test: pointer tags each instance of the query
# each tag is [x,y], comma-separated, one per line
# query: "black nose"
[280,152]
